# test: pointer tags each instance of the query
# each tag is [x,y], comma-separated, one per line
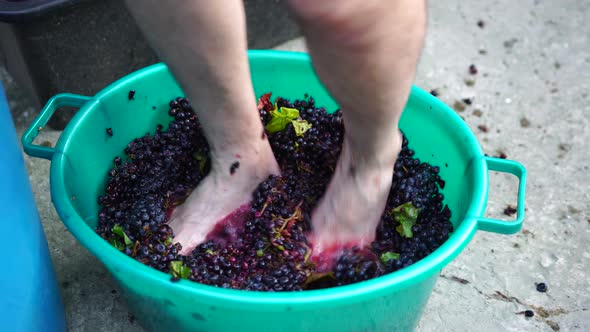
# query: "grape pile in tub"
[266,247]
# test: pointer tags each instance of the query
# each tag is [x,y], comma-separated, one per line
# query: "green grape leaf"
[118,230]
[280,119]
[387,256]
[301,126]
[185,272]
[179,270]
[406,214]
[117,244]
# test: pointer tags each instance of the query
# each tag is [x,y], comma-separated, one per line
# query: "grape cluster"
[268,250]
[158,172]
[356,265]
[418,183]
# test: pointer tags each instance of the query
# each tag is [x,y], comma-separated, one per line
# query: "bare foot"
[229,185]
[351,208]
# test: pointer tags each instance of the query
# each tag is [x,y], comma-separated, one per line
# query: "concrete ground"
[530,101]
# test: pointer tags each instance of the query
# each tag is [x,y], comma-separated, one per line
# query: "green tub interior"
[84,154]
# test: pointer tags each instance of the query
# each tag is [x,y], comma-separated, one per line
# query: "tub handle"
[502,226]
[57,101]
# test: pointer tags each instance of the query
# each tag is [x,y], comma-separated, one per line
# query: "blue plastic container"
[29,297]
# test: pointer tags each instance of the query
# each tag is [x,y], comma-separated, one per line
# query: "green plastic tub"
[84,153]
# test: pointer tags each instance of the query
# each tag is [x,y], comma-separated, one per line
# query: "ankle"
[255,161]
[379,153]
